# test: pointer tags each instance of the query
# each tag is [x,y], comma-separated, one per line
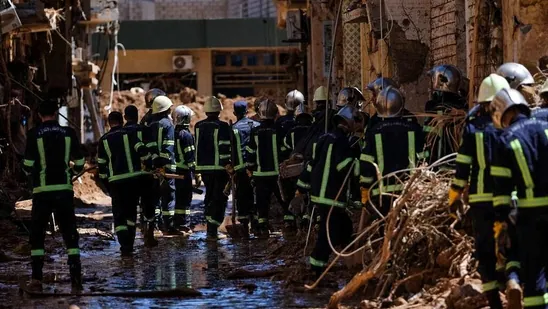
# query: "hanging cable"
[115,73]
[331,59]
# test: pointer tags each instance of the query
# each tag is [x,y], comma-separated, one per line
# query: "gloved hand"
[161,170]
[456,206]
[229,169]
[198,179]
[249,173]
[453,196]
[502,240]
[365,195]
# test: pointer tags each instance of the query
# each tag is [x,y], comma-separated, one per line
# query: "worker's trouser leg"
[150,197]
[183,199]
[340,232]
[532,228]
[167,191]
[60,203]
[244,197]
[215,209]
[264,187]
[483,218]
[289,186]
[124,211]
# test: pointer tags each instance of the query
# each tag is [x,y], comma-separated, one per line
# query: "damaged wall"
[533,44]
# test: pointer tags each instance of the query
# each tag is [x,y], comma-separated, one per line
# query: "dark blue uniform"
[186,164]
[283,125]
[119,158]
[50,148]
[540,113]
[244,191]
[473,170]
[393,144]
[520,163]
[322,179]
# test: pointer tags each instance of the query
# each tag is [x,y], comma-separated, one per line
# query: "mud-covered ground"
[176,262]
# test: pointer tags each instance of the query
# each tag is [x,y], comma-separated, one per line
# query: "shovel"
[234,230]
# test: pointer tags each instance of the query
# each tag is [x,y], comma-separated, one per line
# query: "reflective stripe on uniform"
[168,212]
[524,168]
[367,158]
[41,152]
[326,201]
[120,228]
[28,163]
[501,200]
[480,155]
[499,171]
[326,170]
[302,184]
[477,198]
[37,252]
[73,251]
[343,164]
[52,188]
[533,301]
[464,159]
[109,155]
[380,153]
[182,211]
[489,286]
[129,160]
[67,158]
[366,180]
[513,264]
[317,263]
[125,176]
[388,189]
[411,149]
[459,182]
[216,143]
[212,221]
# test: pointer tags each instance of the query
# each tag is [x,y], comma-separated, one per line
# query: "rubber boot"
[245,228]
[124,240]
[149,239]
[76,276]
[494,299]
[37,263]
[169,228]
[212,232]
[182,224]
[290,228]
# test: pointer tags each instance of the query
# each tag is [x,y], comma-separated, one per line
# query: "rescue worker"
[213,154]
[186,164]
[119,158]
[161,146]
[322,179]
[263,153]
[350,95]
[375,87]
[520,79]
[388,155]
[519,164]
[479,141]
[294,100]
[244,191]
[320,101]
[149,98]
[49,151]
[446,82]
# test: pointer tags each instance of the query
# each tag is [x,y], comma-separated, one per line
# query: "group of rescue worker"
[317,164]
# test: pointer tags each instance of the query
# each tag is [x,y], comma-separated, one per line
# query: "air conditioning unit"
[182,63]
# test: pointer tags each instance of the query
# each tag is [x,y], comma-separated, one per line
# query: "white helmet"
[293,99]
[320,94]
[490,86]
[183,114]
[161,104]
[212,105]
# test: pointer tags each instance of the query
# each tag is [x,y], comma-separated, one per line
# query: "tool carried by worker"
[235,230]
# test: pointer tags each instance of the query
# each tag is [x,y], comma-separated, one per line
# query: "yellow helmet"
[320,94]
[161,104]
[490,86]
[212,105]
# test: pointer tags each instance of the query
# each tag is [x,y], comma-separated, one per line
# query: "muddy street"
[177,262]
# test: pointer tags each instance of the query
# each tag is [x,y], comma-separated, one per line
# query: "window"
[284,58]
[251,60]
[236,60]
[269,59]
[220,60]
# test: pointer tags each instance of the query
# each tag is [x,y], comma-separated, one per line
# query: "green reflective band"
[423,155]
[309,168]
[367,158]
[154,156]
[513,264]
[209,168]
[129,160]
[283,148]
[314,150]
[210,220]
[238,150]
[138,145]
[197,131]
[464,159]
[263,220]
[140,135]
[157,211]
[306,217]
[37,252]
[120,228]
[224,156]
[79,162]
[103,176]
[249,149]
[216,143]
[275,150]
[489,286]
[411,149]
[160,138]
[501,200]
[326,201]
[524,168]
[125,176]
[477,198]
[292,141]
[388,189]
[533,202]
[343,164]
[52,188]
[499,171]
[67,159]
[168,212]
[427,129]
[380,153]
[144,158]
[152,144]
[168,142]
[73,251]
[130,223]
[289,218]
[42,154]
[28,163]
[224,142]
[101,161]
[264,174]
[182,211]
[188,149]
[302,184]
[164,155]
[459,182]
[366,180]
[242,217]
[257,160]
[533,301]
[480,154]
[317,263]
[109,155]
[326,170]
